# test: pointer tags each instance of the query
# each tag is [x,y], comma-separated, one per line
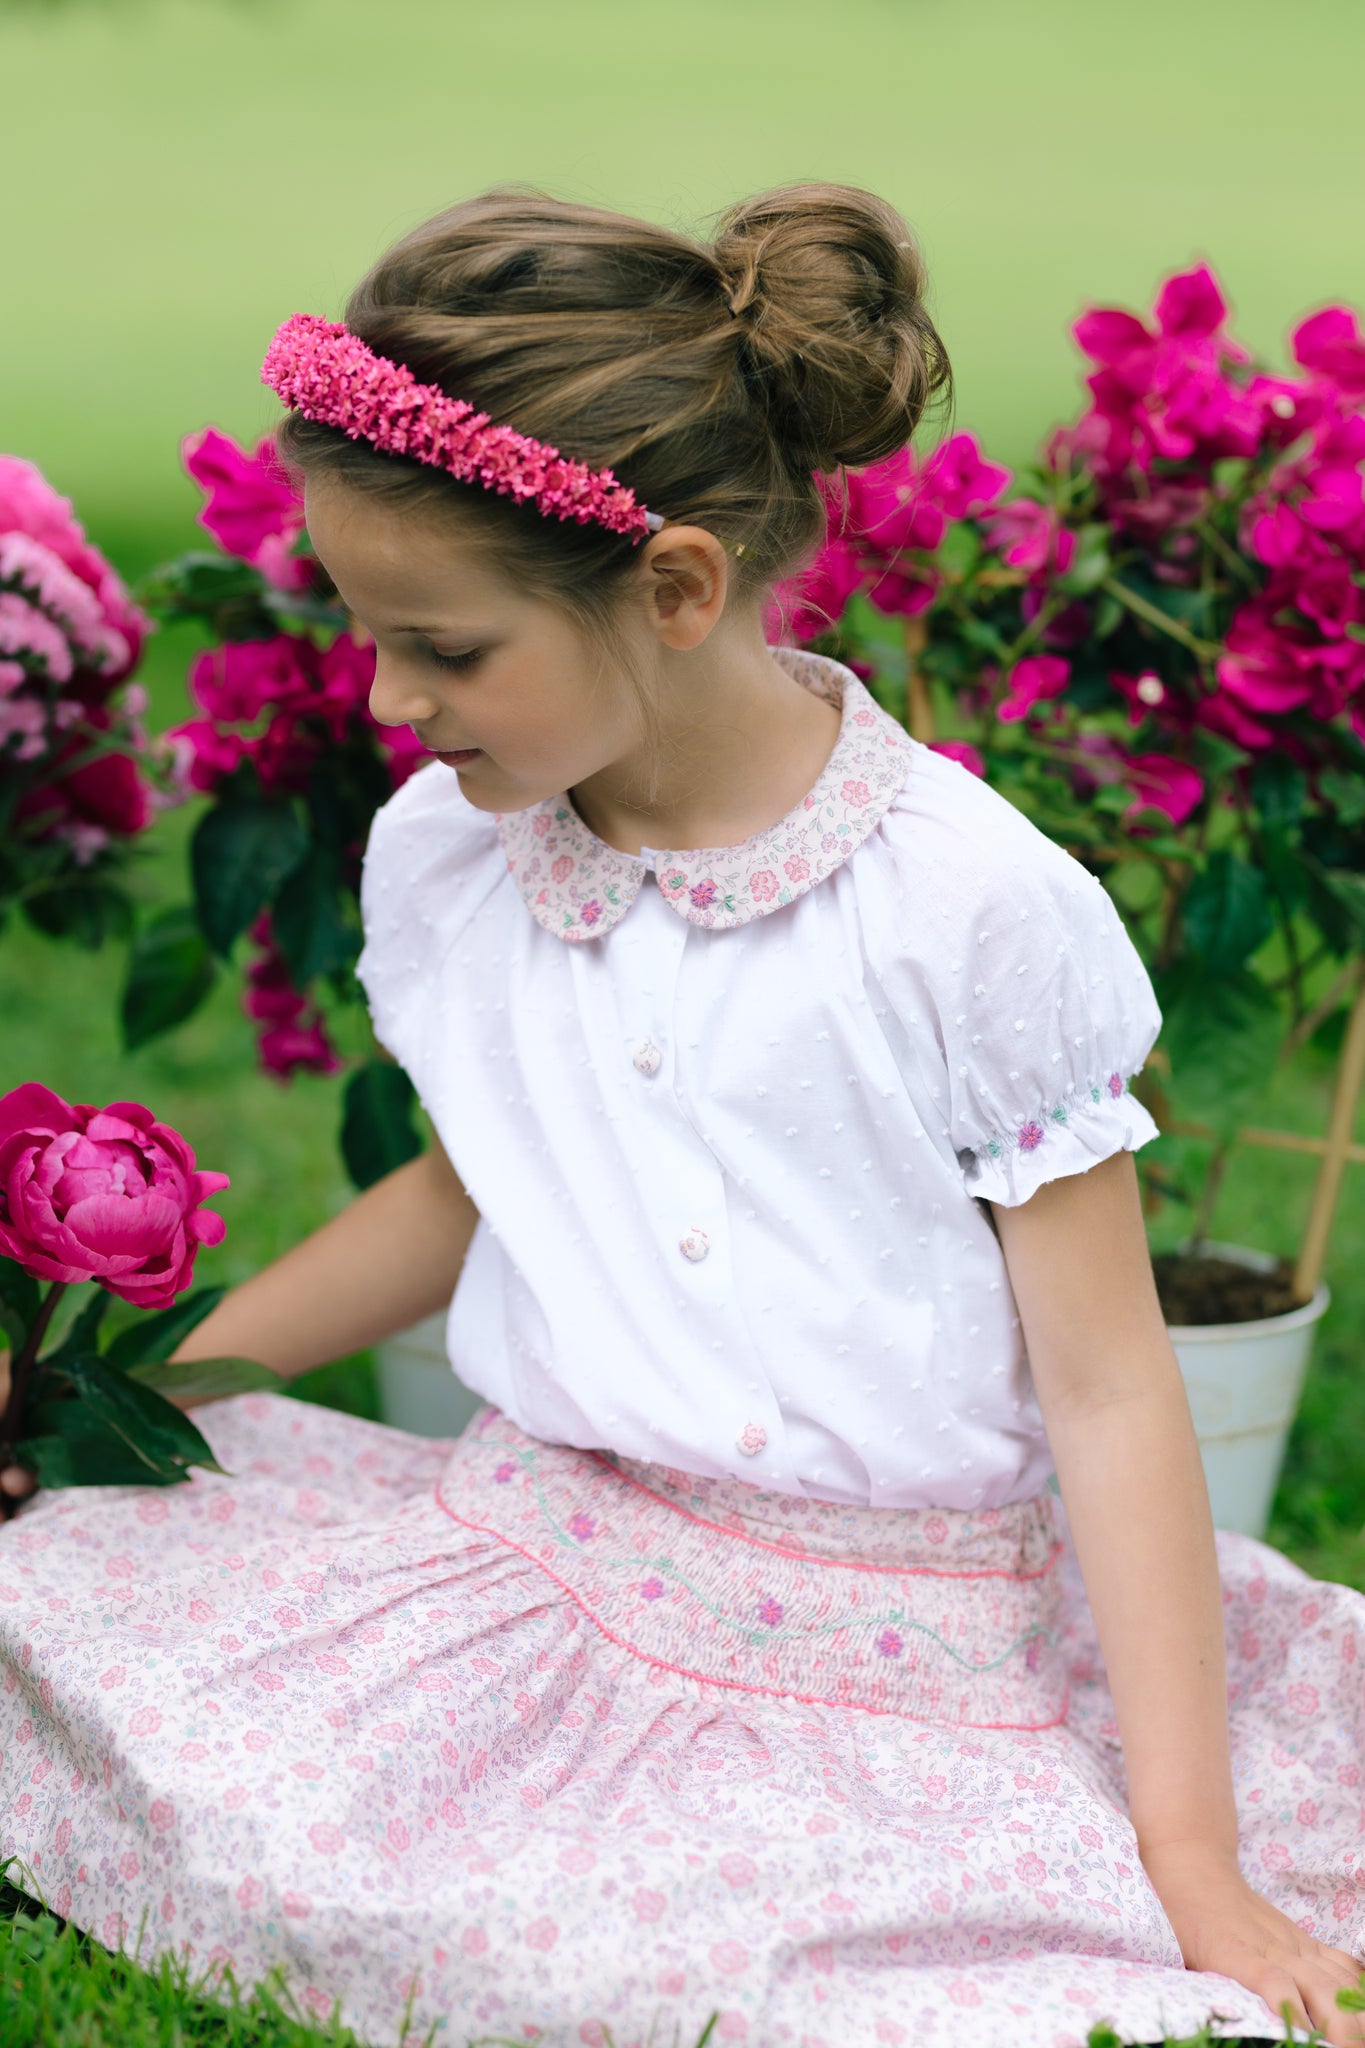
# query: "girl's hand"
[1223,1925]
[15,1482]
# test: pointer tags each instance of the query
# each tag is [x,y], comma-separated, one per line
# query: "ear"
[687,577]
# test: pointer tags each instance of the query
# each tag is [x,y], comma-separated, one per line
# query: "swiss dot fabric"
[726,1113]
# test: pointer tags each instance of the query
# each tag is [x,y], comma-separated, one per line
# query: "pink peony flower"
[252,507]
[101,1194]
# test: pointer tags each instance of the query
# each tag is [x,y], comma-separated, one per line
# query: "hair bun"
[827,286]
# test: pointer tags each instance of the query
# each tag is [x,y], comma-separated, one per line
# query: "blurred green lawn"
[184,173]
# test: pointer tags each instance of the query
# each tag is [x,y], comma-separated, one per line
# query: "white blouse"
[727,1130]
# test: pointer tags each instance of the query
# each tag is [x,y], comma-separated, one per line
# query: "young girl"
[740,1659]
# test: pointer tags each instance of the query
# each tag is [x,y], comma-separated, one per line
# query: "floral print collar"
[578,887]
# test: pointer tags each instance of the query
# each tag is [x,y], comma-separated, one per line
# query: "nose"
[397,697]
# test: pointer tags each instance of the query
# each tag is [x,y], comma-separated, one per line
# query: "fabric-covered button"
[647,1057]
[751,1439]
[694,1244]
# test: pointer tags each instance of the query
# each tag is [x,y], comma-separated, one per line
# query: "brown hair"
[712,378]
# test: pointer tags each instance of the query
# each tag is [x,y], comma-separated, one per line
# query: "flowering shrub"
[78,782]
[1156,647]
[113,1196]
[294,768]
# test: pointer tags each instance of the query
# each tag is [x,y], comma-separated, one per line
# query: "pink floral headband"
[319,368]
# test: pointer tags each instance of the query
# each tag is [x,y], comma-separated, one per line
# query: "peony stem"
[22,1368]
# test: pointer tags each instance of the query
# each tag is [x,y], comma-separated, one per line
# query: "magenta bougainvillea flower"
[252,507]
[281,703]
[292,1037]
[1031,681]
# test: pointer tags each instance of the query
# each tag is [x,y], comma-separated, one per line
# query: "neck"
[739,745]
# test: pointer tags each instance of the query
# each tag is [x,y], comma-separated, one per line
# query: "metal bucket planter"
[1244,1381]
[418,1391]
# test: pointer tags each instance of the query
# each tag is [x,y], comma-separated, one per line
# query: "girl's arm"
[392,1256]
[1128,1464]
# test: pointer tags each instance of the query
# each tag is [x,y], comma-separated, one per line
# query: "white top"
[726,1130]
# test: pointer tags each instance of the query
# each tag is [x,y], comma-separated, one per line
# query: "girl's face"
[480,671]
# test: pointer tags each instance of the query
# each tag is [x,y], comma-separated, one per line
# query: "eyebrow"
[453,631]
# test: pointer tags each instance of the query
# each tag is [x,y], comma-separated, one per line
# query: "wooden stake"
[919,709]
[1336,1151]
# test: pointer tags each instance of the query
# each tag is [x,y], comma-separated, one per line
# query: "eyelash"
[457,662]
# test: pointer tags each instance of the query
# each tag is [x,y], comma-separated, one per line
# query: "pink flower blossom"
[1161,783]
[961,751]
[1163,392]
[1330,345]
[1031,681]
[102,1194]
[763,885]
[29,505]
[1029,536]
[252,507]
[813,602]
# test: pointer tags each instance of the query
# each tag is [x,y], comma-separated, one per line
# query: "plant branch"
[1204,650]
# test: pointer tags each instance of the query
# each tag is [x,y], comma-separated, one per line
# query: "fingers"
[16,1482]
[1305,1995]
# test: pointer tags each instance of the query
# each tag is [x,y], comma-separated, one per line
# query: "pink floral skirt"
[554,1744]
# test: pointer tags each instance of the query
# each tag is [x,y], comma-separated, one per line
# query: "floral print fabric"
[578,887]
[376,1709]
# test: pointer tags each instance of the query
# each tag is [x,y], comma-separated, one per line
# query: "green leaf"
[87,913]
[170,971]
[149,1425]
[377,1130]
[152,1338]
[1227,911]
[309,918]
[207,1379]
[241,851]
[959,551]
[1345,793]
[1108,617]
[1090,564]
[20,1300]
[83,1333]
[88,1457]
[1336,901]
[1283,867]
[1279,789]
[1222,1033]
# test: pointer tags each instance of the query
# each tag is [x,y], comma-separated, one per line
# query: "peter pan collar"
[578,887]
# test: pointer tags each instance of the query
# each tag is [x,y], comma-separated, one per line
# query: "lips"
[452,754]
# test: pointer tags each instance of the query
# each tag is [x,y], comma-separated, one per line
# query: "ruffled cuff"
[1070,1138]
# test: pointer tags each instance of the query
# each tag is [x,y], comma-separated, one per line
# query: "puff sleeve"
[431,861]
[1016,982]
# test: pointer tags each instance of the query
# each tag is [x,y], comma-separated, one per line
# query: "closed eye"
[458,662]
